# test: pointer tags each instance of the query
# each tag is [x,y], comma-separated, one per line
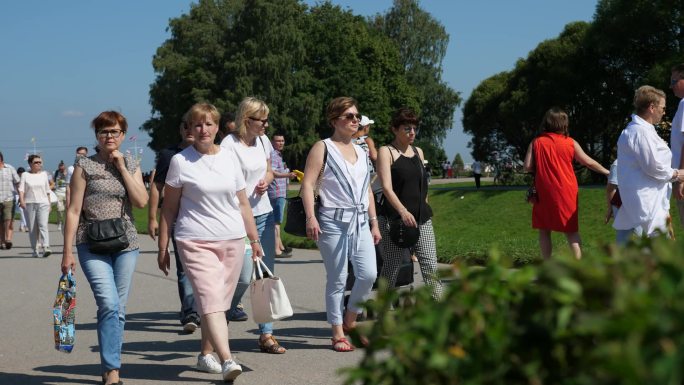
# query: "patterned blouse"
[104,195]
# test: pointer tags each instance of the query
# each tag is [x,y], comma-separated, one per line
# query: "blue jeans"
[185,292]
[110,279]
[266,228]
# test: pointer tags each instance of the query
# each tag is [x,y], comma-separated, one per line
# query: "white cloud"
[72,114]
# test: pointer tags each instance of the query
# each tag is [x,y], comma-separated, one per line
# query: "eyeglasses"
[263,121]
[37,162]
[350,116]
[407,129]
[113,133]
[674,81]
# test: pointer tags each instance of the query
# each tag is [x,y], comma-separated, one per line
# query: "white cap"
[365,121]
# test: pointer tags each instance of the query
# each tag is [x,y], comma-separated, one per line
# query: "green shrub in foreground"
[607,319]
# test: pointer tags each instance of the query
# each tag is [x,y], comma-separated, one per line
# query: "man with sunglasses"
[677,133]
[9,182]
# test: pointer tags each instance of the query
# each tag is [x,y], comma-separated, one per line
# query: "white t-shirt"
[209,209]
[677,135]
[35,187]
[253,161]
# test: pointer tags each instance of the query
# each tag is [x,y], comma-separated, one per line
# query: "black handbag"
[295,223]
[107,236]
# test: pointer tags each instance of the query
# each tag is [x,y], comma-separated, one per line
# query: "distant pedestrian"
[188,316]
[34,197]
[23,226]
[363,139]
[60,192]
[9,182]
[277,191]
[477,172]
[206,199]
[445,167]
[346,225]
[80,152]
[550,157]
[104,186]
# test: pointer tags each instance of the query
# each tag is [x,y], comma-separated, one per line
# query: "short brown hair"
[555,120]
[404,115]
[337,106]
[109,119]
[679,70]
[645,96]
[32,157]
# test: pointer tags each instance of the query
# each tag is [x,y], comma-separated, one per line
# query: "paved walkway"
[155,351]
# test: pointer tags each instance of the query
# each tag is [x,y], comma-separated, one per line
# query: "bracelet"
[308,219]
[372,219]
[675,177]
[253,241]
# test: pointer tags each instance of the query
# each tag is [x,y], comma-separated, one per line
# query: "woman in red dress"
[550,157]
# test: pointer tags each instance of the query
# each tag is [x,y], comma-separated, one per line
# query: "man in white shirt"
[477,172]
[677,133]
[644,170]
[81,151]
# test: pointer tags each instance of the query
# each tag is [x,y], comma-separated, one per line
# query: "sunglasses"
[263,121]
[407,129]
[350,116]
[37,162]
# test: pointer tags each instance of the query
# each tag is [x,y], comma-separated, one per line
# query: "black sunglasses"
[350,116]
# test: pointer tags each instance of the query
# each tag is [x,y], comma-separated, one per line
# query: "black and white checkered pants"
[425,250]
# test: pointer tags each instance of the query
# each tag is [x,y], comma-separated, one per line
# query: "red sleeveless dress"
[556,184]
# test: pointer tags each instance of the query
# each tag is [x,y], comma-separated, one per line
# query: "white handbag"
[269,300]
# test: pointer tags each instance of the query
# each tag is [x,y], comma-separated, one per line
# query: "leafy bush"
[607,319]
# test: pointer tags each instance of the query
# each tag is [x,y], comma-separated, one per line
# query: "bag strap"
[258,264]
[320,173]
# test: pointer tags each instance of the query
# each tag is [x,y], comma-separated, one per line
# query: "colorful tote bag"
[64,314]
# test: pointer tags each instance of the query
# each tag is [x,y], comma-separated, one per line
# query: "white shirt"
[612,176]
[677,135]
[253,161]
[644,173]
[477,167]
[35,187]
[332,191]
[209,209]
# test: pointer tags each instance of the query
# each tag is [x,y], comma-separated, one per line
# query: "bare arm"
[73,214]
[528,165]
[314,162]
[169,213]
[250,225]
[586,161]
[152,224]
[372,151]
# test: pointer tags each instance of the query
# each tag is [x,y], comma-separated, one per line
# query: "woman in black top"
[404,182]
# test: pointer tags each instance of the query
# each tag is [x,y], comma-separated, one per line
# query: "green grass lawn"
[470,223]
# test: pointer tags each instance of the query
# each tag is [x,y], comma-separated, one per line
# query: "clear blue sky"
[64,62]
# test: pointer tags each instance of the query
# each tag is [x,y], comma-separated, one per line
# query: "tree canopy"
[591,70]
[297,58]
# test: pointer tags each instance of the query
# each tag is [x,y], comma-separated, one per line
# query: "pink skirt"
[213,268]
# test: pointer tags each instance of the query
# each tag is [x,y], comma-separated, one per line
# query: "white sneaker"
[208,364]
[230,370]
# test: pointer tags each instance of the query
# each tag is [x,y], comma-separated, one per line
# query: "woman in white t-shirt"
[205,197]
[253,150]
[34,188]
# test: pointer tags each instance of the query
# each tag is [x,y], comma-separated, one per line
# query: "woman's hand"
[164,261]
[375,232]
[22,205]
[408,218]
[68,262]
[261,187]
[313,229]
[117,158]
[609,214]
[257,251]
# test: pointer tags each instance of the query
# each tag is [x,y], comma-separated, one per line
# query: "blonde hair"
[250,107]
[198,112]
[645,96]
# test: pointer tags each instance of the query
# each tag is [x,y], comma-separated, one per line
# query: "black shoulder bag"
[295,223]
[107,236]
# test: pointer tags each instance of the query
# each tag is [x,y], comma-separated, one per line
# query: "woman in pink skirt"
[206,207]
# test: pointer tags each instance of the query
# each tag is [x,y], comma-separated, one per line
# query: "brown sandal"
[273,348]
[342,345]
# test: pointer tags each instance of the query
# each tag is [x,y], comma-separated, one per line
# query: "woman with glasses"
[345,225]
[34,198]
[404,184]
[104,186]
[253,149]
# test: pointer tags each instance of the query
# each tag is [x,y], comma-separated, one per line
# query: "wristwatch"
[253,241]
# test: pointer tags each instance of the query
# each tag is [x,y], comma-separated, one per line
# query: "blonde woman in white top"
[34,198]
